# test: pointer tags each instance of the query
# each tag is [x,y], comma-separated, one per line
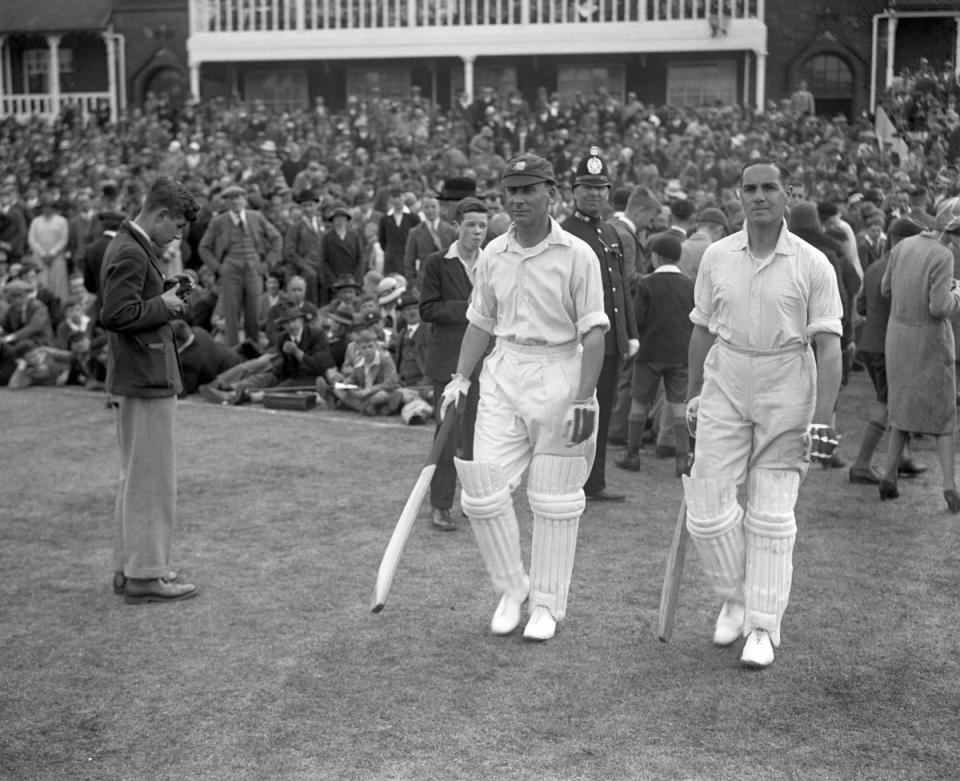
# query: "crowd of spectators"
[65,187]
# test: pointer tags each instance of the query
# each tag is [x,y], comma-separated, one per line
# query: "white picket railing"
[233,16]
[42,104]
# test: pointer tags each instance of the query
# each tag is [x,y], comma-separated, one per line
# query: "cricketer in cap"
[537,409]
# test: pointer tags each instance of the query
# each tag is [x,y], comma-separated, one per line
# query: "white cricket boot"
[541,626]
[729,626]
[506,617]
[758,650]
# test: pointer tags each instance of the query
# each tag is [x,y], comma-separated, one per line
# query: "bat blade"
[672,576]
[401,532]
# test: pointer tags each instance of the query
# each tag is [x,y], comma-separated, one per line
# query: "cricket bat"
[671,579]
[401,532]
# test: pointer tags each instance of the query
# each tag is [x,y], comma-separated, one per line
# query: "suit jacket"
[421,244]
[617,302]
[204,359]
[83,230]
[393,240]
[340,256]
[215,243]
[444,296]
[412,355]
[31,326]
[316,357]
[634,260]
[301,246]
[142,355]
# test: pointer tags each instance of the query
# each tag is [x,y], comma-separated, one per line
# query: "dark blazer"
[444,295]
[204,359]
[340,256]
[420,245]
[393,240]
[316,358]
[32,327]
[142,355]
[301,246]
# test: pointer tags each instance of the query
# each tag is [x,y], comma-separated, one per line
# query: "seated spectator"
[202,358]
[25,327]
[301,358]
[370,383]
[271,296]
[295,291]
[75,320]
[346,290]
[416,389]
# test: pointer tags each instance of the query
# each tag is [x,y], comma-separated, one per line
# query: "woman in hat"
[341,250]
[47,237]
[919,347]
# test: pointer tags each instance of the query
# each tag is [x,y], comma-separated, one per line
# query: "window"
[391,83]
[277,90]
[36,63]
[588,79]
[829,75]
[702,84]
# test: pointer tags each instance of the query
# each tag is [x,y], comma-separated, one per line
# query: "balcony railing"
[43,104]
[245,16]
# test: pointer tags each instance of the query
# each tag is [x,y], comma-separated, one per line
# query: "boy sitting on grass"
[370,384]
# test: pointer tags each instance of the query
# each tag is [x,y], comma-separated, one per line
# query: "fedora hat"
[457,188]
[306,194]
[408,298]
[338,209]
[345,280]
[233,189]
[287,309]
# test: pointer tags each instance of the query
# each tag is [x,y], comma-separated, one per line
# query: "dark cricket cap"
[666,246]
[528,169]
[592,170]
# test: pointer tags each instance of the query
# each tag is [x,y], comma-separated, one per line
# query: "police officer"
[591,191]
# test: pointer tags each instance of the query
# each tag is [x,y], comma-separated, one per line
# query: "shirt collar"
[557,235]
[627,221]
[786,242]
[667,268]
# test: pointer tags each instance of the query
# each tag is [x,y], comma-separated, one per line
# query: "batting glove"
[821,441]
[693,410]
[580,421]
[455,390]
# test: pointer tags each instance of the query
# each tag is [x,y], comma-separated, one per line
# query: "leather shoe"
[440,518]
[953,500]
[506,617]
[606,495]
[758,650]
[869,476]
[541,626]
[120,581]
[729,627]
[910,468]
[888,489]
[629,461]
[157,590]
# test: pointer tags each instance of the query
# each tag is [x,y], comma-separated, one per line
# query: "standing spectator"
[109,223]
[875,308]
[84,229]
[431,235]
[447,284]
[537,398]
[145,383]
[394,228]
[802,103]
[341,251]
[301,245]
[590,191]
[241,246]
[920,346]
[13,224]
[711,227]
[761,297]
[47,238]
[662,308]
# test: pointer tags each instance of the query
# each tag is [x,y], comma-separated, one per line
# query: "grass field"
[278,670]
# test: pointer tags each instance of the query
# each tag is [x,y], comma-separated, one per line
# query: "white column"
[468,60]
[956,45]
[195,81]
[874,49]
[298,23]
[891,43]
[761,100]
[111,45]
[53,85]
[746,78]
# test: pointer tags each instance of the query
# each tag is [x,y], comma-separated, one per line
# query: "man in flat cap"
[537,291]
[591,190]
[240,246]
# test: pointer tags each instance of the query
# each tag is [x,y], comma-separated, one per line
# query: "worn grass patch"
[279,670]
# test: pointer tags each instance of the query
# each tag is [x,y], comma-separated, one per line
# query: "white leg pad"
[555,493]
[770,530]
[715,523]
[485,498]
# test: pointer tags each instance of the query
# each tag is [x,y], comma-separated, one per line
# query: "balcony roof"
[31,16]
